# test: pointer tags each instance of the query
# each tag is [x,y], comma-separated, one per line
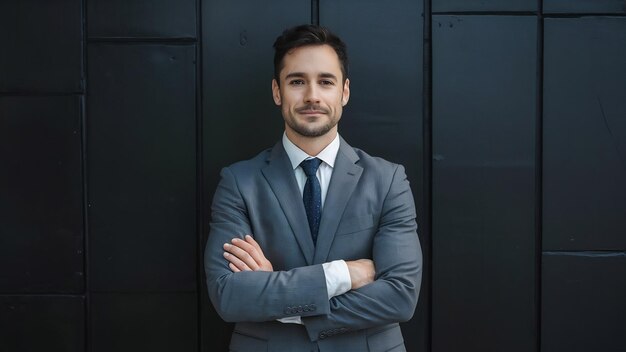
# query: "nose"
[311,96]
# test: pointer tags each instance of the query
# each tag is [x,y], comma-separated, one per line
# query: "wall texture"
[117,115]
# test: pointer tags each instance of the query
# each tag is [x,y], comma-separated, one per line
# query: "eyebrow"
[301,75]
[328,75]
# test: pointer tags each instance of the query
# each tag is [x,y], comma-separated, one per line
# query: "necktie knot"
[310,166]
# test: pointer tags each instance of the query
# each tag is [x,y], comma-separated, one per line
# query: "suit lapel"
[279,174]
[346,175]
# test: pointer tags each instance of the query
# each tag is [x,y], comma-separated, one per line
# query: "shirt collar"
[297,155]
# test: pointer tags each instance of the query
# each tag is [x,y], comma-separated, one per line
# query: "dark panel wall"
[116,117]
[483,5]
[239,116]
[484,104]
[142,195]
[240,120]
[585,134]
[141,167]
[584,198]
[144,322]
[42,323]
[584,6]
[40,184]
[142,19]
[42,276]
[41,45]
[583,300]
[384,116]
[141,151]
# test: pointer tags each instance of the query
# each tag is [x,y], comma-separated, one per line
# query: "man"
[313,244]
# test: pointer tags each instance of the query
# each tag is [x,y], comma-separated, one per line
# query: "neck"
[311,145]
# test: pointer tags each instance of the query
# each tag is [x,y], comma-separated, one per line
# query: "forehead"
[311,59]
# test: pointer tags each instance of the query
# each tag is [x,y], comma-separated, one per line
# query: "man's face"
[311,92]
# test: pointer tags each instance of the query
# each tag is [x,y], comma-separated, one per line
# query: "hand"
[362,272]
[246,255]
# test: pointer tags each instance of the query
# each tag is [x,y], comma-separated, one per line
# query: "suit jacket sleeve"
[396,252]
[254,296]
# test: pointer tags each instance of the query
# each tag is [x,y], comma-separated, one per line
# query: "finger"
[233,268]
[241,255]
[244,245]
[260,256]
[254,252]
[236,262]
[254,243]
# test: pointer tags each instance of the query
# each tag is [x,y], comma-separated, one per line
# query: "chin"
[314,132]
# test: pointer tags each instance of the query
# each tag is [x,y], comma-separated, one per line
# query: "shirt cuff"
[291,320]
[337,278]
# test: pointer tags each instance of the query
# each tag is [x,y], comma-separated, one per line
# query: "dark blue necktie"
[312,195]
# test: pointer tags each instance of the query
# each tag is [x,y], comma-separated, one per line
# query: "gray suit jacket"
[369,212]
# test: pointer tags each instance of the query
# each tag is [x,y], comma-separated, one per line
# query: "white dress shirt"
[336,272]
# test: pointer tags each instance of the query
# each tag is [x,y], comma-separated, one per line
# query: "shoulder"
[249,165]
[374,164]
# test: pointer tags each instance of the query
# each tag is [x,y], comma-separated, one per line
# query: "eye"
[327,82]
[296,82]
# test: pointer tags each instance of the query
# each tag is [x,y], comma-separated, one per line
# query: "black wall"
[116,117]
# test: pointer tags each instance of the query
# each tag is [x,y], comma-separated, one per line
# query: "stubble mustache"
[312,108]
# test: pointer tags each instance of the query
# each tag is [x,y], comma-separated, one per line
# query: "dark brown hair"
[304,35]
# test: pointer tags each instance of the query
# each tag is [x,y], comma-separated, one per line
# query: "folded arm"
[302,291]
[246,255]
[396,252]
[254,295]
[341,276]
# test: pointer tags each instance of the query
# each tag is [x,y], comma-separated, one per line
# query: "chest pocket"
[354,238]
[355,224]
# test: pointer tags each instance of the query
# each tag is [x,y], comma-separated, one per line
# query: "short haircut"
[305,35]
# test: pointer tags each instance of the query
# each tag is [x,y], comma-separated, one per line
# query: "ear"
[276,92]
[346,92]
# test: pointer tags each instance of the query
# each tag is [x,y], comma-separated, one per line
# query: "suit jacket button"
[322,335]
[313,307]
[299,309]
